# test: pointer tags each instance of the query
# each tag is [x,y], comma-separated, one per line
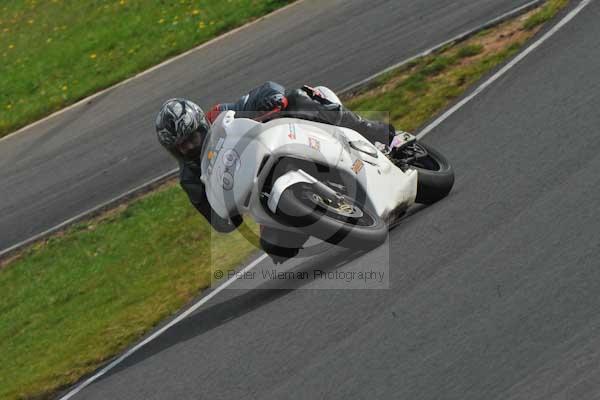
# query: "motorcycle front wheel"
[435,174]
[348,224]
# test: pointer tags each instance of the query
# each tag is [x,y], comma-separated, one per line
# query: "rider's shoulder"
[268,87]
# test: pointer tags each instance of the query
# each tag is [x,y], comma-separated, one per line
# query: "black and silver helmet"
[181,127]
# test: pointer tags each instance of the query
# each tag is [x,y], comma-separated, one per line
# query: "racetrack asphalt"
[93,152]
[493,291]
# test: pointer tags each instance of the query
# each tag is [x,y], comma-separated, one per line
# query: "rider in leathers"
[269,98]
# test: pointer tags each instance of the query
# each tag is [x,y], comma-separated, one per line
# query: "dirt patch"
[502,36]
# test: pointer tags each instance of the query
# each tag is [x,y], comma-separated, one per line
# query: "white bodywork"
[237,147]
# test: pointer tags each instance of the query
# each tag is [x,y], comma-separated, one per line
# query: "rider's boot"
[398,142]
[401,139]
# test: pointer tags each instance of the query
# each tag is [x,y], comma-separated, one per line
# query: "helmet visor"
[190,146]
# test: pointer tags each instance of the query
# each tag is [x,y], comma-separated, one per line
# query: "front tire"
[353,227]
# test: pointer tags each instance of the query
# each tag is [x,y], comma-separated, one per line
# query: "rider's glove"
[275,101]
[214,112]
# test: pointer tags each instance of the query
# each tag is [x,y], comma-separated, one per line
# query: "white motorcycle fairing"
[240,153]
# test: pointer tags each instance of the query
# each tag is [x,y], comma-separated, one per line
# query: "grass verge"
[547,12]
[73,301]
[55,52]
[80,297]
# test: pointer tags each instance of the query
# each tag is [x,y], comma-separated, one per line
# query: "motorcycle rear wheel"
[435,174]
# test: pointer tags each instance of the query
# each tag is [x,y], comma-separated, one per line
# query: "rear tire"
[358,228]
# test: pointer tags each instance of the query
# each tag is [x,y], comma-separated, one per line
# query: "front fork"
[299,176]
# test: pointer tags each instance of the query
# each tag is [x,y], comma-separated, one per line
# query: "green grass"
[547,12]
[429,87]
[54,52]
[82,297]
[469,50]
[75,301]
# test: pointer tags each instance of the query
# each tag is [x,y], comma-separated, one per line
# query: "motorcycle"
[329,182]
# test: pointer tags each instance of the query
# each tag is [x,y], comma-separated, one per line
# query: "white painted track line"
[457,38]
[85,213]
[504,69]
[159,332]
